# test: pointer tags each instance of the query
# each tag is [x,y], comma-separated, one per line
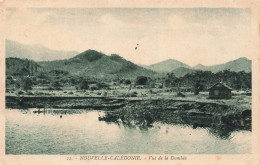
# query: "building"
[220,91]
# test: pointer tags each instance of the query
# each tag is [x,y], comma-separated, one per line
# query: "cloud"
[191,36]
[30,27]
[110,20]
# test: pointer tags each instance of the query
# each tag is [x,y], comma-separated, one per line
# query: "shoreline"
[216,115]
[25,100]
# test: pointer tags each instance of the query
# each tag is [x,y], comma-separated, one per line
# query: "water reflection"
[144,119]
[80,132]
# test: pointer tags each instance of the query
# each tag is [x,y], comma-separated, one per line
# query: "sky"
[194,36]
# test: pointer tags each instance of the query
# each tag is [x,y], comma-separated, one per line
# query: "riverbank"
[220,119]
[64,102]
[223,116]
[113,102]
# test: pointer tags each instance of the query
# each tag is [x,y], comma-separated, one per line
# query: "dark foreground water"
[80,132]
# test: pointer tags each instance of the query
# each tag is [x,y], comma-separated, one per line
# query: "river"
[80,132]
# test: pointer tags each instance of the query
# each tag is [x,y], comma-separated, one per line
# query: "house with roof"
[220,91]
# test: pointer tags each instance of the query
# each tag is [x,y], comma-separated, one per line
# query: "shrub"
[55,85]
[83,85]
[132,94]
[141,80]
[25,83]
[29,93]
[94,88]
[127,82]
[102,86]
[42,75]
[20,92]
[104,93]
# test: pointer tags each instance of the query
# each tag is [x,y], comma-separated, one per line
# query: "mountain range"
[179,68]
[97,64]
[35,52]
[167,66]
[240,64]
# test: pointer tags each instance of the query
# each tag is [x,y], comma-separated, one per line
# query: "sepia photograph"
[104,81]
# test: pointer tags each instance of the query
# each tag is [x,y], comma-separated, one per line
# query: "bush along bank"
[219,119]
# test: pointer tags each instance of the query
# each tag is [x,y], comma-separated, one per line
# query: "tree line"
[202,80]
[236,80]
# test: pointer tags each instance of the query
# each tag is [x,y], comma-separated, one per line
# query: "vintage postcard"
[129,82]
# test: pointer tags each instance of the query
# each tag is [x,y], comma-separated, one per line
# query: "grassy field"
[238,99]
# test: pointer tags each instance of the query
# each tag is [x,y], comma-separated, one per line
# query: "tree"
[197,88]
[26,83]
[83,85]
[55,85]
[141,80]
[9,81]
[102,85]
[127,82]
[58,73]
[42,75]
[171,80]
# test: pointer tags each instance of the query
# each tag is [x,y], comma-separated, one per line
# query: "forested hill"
[167,66]
[96,64]
[182,71]
[240,64]
[21,67]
